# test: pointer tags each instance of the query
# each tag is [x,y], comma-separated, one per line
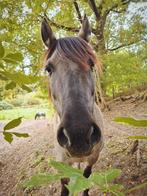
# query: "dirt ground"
[25,157]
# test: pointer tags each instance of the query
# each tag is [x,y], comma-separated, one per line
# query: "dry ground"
[25,157]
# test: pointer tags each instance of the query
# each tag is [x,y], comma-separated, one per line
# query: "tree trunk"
[101,50]
[99,33]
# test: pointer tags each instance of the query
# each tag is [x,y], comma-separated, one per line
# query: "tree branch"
[118,11]
[124,2]
[59,26]
[123,45]
[77,10]
[93,6]
[72,29]
[112,8]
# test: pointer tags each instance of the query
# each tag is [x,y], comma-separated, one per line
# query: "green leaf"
[13,57]
[11,85]
[2,77]
[78,184]
[102,178]
[1,65]
[131,121]
[20,78]
[20,134]
[138,137]
[25,87]
[2,50]
[66,170]
[41,179]
[8,137]
[104,181]
[115,189]
[12,124]
[136,187]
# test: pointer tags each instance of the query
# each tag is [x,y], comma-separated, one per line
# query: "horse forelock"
[74,49]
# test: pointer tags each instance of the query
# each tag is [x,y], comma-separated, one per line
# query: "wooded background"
[119,34]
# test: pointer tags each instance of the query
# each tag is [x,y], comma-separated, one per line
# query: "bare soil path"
[25,157]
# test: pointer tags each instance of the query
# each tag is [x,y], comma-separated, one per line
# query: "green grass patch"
[26,113]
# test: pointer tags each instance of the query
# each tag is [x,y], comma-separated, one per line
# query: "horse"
[69,62]
[39,115]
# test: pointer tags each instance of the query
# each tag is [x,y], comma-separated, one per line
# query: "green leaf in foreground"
[26,88]
[10,85]
[2,50]
[138,137]
[13,57]
[41,179]
[66,170]
[103,178]
[12,124]
[8,137]
[115,189]
[131,121]
[20,134]
[104,181]
[137,187]
[19,77]
[78,184]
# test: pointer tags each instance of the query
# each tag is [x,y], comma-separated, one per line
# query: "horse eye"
[49,68]
[91,63]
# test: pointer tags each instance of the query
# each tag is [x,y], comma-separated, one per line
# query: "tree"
[115,27]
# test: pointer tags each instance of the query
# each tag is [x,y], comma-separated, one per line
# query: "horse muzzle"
[79,143]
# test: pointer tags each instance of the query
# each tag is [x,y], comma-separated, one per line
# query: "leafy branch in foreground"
[135,123]
[132,122]
[78,183]
[15,77]
[8,136]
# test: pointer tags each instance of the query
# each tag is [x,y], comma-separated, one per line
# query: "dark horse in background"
[69,62]
[39,115]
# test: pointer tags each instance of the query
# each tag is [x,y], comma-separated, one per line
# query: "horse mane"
[75,49]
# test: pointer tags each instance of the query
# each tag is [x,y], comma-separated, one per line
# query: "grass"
[26,113]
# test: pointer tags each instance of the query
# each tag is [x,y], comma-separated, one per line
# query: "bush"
[25,101]
[5,105]
[33,101]
[17,102]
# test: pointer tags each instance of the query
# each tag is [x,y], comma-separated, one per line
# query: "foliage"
[132,122]
[33,101]
[123,71]
[135,123]
[116,28]
[78,182]
[5,105]
[17,102]
[138,137]
[16,77]
[8,136]
[26,102]
[28,99]
[137,187]
[12,124]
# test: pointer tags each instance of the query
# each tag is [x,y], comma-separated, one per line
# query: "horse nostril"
[95,134]
[62,137]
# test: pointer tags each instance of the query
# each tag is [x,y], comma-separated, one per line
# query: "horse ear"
[85,30]
[47,34]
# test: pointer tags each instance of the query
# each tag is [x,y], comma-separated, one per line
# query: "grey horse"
[69,62]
